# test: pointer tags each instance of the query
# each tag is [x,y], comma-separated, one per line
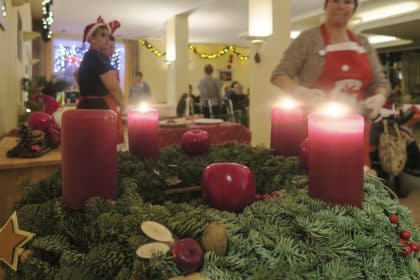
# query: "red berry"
[393,219]
[407,250]
[266,196]
[258,197]
[403,241]
[415,247]
[405,234]
[275,194]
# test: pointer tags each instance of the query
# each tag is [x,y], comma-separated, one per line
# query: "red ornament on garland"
[405,234]
[414,247]
[393,219]
[407,250]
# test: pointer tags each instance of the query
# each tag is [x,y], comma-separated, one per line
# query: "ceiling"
[210,21]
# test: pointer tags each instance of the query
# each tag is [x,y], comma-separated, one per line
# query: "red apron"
[112,104]
[347,69]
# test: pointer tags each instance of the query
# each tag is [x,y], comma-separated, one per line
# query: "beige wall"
[11,68]
[154,67]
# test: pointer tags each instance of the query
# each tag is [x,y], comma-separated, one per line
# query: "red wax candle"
[287,128]
[143,133]
[336,158]
[89,156]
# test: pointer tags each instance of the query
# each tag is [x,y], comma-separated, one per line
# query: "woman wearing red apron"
[98,83]
[330,61]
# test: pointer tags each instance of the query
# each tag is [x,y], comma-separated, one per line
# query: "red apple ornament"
[195,142]
[40,120]
[304,153]
[228,186]
[188,254]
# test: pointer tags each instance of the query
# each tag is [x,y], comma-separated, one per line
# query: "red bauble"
[415,247]
[304,153]
[393,219]
[40,120]
[405,234]
[228,186]
[407,250]
[188,254]
[195,141]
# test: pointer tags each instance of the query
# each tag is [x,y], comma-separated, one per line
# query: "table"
[226,132]
[13,169]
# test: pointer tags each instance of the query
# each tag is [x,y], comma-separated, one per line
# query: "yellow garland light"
[214,55]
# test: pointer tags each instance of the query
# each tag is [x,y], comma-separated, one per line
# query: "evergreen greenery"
[289,237]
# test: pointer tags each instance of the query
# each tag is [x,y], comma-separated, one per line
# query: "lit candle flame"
[287,103]
[143,107]
[334,109]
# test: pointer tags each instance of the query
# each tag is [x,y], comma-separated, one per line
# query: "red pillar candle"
[89,156]
[287,128]
[336,158]
[143,133]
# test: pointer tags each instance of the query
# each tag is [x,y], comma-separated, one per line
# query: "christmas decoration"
[12,239]
[408,247]
[40,120]
[214,55]
[152,249]
[67,58]
[157,232]
[405,234]
[188,255]
[228,186]
[215,238]
[47,19]
[195,142]
[33,143]
[393,219]
[272,239]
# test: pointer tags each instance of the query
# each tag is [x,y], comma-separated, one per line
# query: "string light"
[3,8]
[152,49]
[68,58]
[47,20]
[214,55]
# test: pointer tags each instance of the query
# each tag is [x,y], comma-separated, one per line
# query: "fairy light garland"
[3,12]
[47,19]
[152,49]
[202,55]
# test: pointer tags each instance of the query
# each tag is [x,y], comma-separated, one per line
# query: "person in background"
[98,83]
[188,99]
[209,88]
[332,61]
[240,102]
[50,87]
[140,90]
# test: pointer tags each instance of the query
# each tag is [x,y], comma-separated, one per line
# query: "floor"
[413,203]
